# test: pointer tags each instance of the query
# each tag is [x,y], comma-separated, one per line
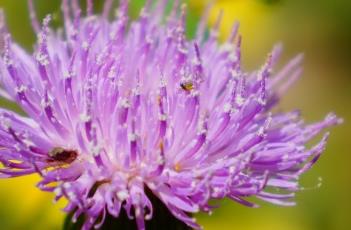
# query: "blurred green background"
[321,29]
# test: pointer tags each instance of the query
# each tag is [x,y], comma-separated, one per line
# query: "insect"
[61,155]
[187,86]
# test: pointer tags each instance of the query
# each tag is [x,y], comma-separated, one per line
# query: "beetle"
[61,155]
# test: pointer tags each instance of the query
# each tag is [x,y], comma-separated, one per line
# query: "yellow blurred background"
[321,29]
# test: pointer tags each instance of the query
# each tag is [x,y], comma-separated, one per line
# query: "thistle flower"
[122,112]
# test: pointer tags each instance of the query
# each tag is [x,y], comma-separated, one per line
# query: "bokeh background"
[321,29]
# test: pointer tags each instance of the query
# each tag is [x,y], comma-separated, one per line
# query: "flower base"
[162,219]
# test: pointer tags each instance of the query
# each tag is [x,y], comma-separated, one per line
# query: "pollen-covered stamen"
[68,87]
[111,91]
[198,68]
[21,89]
[23,140]
[223,122]
[23,136]
[51,116]
[180,38]
[315,153]
[275,154]
[253,139]
[85,48]
[89,115]
[161,159]
[95,145]
[250,184]
[136,97]
[118,30]
[144,18]
[263,129]
[240,95]
[237,55]
[133,141]
[262,77]
[162,113]
[234,33]
[190,151]
[314,129]
[188,115]
[17,149]
[76,24]
[124,106]
[42,56]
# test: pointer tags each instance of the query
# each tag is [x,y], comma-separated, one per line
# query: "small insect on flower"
[61,155]
[157,124]
[187,86]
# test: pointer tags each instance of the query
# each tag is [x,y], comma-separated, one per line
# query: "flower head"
[117,108]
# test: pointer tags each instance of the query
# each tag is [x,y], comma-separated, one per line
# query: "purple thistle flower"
[117,109]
